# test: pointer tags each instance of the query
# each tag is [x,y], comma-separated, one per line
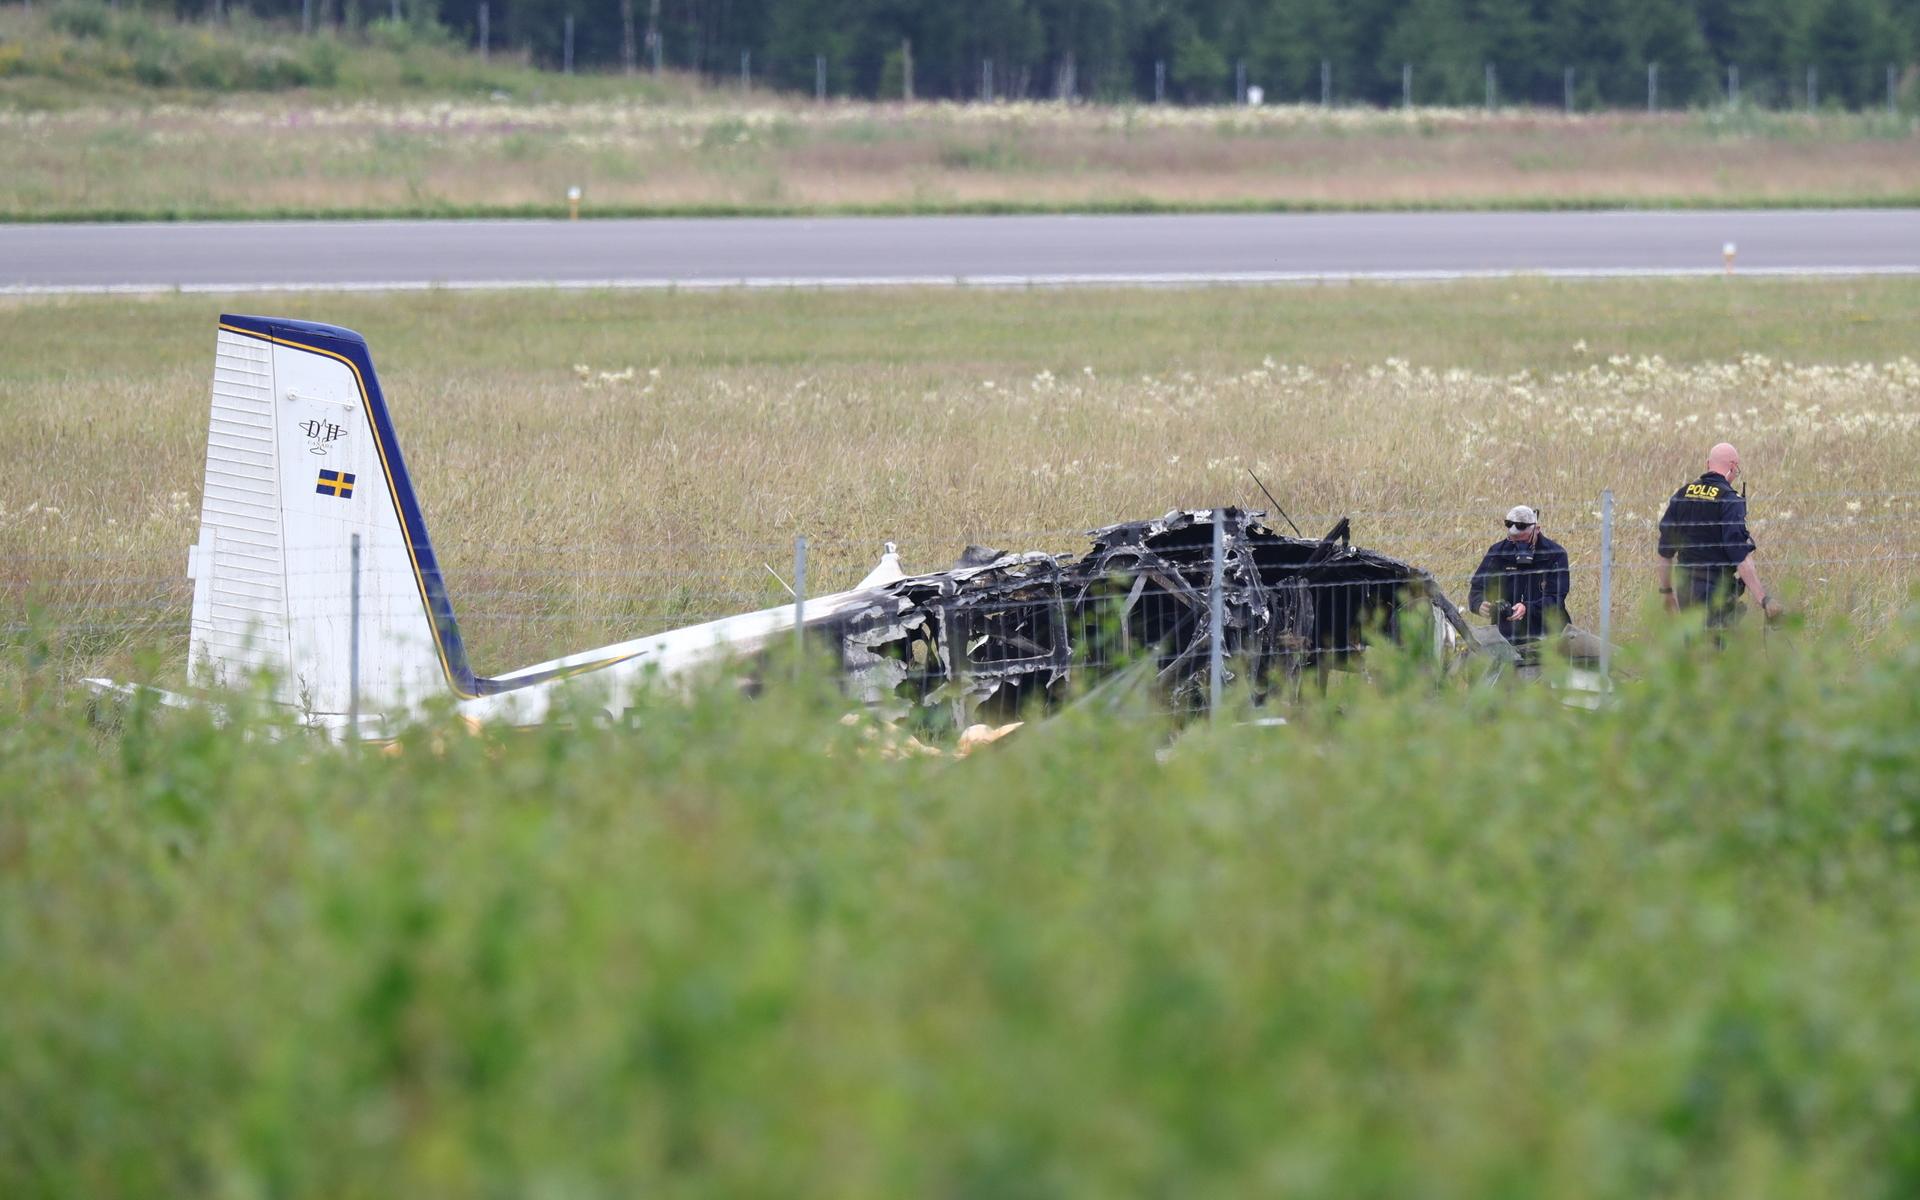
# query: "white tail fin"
[301,456]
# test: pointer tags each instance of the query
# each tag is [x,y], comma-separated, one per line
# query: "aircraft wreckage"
[999,631]
[313,571]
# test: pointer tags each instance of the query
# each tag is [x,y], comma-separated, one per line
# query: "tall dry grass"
[308,156]
[596,467]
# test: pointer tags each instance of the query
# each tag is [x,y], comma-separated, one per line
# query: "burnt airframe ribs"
[1001,631]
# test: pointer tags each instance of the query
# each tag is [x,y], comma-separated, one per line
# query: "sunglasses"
[1519,525]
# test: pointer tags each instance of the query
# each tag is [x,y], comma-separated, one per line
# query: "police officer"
[1704,531]
[1523,581]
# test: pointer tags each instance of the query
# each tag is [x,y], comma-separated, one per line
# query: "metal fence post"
[1406,85]
[799,602]
[486,34]
[1606,583]
[955,648]
[1216,609]
[820,77]
[1160,81]
[306,17]
[1653,86]
[353,638]
[1566,89]
[1492,86]
[746,70]
[1813,88]
[1326,83]
[566,55]
[1733,85]
[1239,81]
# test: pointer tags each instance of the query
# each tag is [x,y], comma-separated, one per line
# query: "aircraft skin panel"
[239,622]
[620,667]
[334,488]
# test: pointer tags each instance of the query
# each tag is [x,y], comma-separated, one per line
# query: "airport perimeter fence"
[1569,87]
[1835,556]
[1585,87]
[1302,77]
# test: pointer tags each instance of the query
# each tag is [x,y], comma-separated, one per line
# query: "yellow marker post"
[573,203]
[1726,256]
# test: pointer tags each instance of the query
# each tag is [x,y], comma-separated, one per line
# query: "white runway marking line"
[1175,279]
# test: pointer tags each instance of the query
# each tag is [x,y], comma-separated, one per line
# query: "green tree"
[1434,38]
[1668,33]
[1591,37]
[1199,70]
[1509,39]
[1852,42]
[1292,41]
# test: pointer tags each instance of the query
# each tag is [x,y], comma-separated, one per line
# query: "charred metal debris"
[1000,631]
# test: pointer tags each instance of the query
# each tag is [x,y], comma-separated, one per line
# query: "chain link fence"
[1840,557]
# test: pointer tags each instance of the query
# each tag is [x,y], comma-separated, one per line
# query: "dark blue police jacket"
[1704,531]
[1543,584]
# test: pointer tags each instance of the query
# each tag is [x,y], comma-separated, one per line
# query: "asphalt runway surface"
[978,251]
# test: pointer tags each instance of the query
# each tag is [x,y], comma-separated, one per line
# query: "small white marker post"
[573,203]
[1726,256]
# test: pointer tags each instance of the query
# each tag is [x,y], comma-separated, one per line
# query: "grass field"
[1432,941]
[421,130]
[594,467]
[1433,944]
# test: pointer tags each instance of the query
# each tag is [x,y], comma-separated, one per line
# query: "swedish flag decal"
[335,483]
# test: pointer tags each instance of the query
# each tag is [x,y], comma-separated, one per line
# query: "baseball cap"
[1520,514]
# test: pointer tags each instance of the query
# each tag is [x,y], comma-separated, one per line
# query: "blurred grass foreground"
[1435,941]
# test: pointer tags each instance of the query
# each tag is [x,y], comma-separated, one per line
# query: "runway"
[945,251]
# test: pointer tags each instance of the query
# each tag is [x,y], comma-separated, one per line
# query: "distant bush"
[82,19]
[401,37]
[82,50]
[321,60]
[134,47]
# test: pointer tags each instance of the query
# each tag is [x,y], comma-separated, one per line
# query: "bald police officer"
[1704,532]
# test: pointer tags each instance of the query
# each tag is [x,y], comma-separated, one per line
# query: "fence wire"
[1836,553]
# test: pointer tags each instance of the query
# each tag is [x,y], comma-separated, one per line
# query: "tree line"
[1589,53]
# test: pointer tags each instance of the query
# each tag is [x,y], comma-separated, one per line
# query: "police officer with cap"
[1522,579]
[1704,532]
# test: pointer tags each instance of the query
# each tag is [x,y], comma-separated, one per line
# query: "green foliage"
[1434,35]
[81,51]
[1102,49]
[1200,71]
[1432,941]
[81,19]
